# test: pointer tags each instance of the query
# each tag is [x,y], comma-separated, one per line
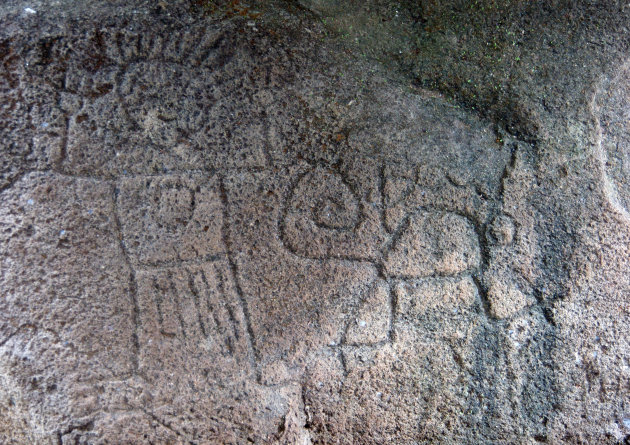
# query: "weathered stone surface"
[612,113]
[434,243]
[216,227]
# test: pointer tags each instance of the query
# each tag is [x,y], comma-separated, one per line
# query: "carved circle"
[322,212]
[501,230]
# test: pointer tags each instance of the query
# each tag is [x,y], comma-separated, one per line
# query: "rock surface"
[228,223]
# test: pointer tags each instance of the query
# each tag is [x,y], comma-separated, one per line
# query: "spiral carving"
[323,212]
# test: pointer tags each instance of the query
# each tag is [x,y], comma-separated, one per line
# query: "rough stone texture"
[218,225]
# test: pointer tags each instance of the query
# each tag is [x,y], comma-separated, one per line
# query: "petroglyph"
[271,248]
[189,236]
[112,95]
[414,187]
[172,218]
[434,243]
[511,273]
[33,125]
[326,227]
[338,224]
[286,329]
[191,313]
[323,215]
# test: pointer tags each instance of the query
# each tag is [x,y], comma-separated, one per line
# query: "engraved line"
[17,178]
[206,52]
[378,344]
[169,264]
[354,313]
[17,331]
[393,307]
[133,282]
[178,303]
[209,303]
[196,298]
[228,308]
[158,302]
[253,352]
[162,422]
